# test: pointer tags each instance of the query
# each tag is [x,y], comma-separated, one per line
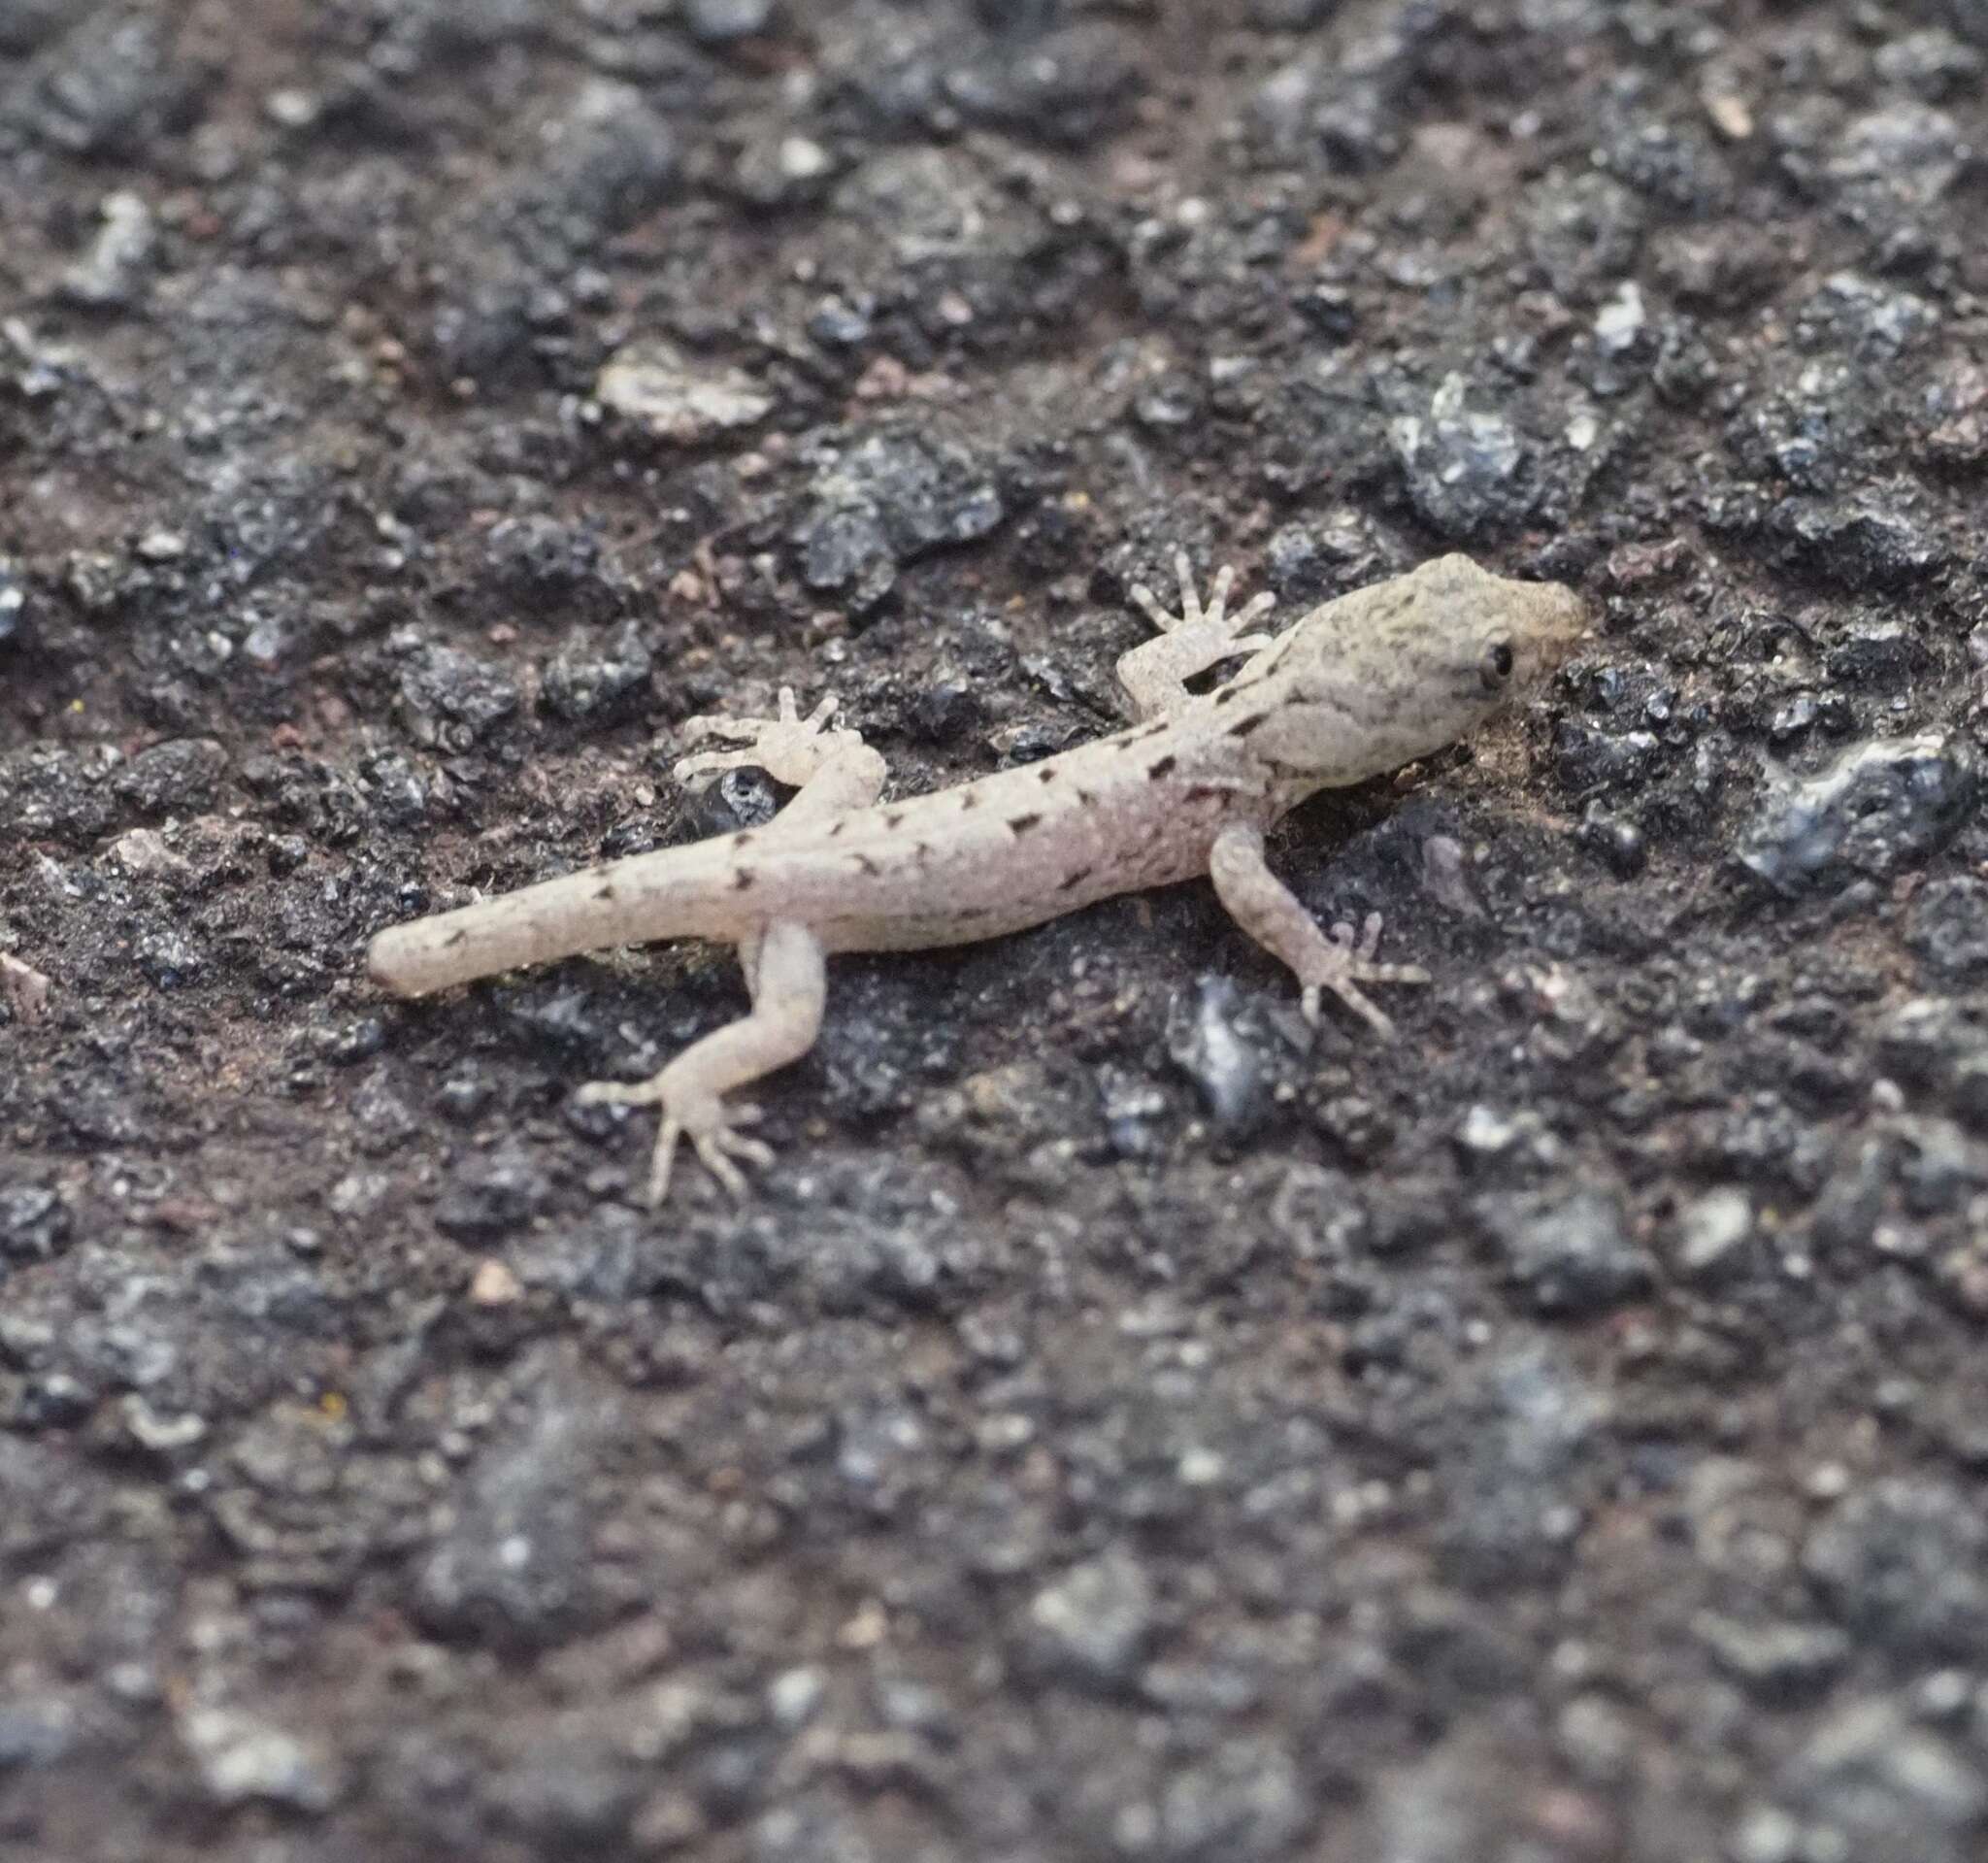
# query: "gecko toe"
[1382,1024]
[1369,1012]
[617,1093]
[697,774]
[755,1151]
[711,1151]
[1218,595]
[717,725]
[1183,574]
[660,1161]
[1359,946]
[1148,605]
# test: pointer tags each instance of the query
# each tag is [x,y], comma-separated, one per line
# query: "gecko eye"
[1495,668]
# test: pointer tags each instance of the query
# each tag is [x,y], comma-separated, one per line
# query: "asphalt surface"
[1122,1425]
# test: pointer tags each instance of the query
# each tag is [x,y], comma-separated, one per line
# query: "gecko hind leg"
[787,972]
[834,769]
[784,964]
[1155,673]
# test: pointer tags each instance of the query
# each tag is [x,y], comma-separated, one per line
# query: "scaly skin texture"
[1357,687]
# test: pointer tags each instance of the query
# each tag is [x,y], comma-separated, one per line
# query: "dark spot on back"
[1243,727]
[454,939]
[1021,824]
[865,864]
[892,816]
[1160,767]
[742,879]
[742,839]
[1329,698]
[969,799]
[837,826]
[604,892]
[1227,694]
[1046,773]
[1074,880]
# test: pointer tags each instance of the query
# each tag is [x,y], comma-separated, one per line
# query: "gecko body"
[1357,687]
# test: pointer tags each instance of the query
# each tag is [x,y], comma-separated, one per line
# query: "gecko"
[1358,687]
[23,988]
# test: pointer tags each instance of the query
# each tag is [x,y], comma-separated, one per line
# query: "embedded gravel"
[1123,1425]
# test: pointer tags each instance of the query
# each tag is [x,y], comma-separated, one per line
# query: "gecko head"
[1406,667]
[1466,643]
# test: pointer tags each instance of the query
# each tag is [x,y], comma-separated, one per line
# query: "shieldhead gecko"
[1359,686]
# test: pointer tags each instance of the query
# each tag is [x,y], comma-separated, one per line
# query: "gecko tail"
[629,901]
[432,954]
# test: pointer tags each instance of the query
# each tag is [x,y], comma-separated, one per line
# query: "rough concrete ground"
[1121,1427]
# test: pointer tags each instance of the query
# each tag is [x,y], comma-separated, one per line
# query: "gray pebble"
[1903,1562]
[1092,1624]
[1876,806]
[1573,1254]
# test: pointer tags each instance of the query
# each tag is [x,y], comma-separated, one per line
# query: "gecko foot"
[1154,675]
[1351,964]
[789,748]
[1211,624]
[702,1118]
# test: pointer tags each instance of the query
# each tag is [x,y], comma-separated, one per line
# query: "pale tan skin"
[23,988]
[1356,688]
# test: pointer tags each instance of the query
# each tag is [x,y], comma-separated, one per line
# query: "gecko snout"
[1563,618]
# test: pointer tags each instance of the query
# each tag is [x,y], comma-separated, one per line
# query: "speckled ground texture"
[1123,1425]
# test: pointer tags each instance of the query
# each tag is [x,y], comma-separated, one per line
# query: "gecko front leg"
[1154,673]
[1258,901]
[786,970]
